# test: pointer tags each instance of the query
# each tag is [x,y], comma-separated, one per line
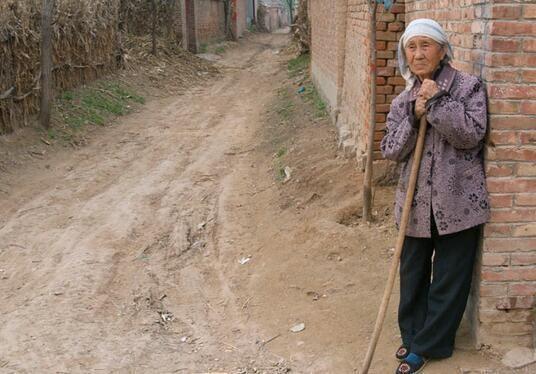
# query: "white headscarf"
[421,27]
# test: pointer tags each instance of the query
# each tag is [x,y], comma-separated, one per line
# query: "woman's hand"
[428,89]
[426,92]
[420,107]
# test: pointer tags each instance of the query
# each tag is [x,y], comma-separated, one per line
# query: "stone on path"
[519,357]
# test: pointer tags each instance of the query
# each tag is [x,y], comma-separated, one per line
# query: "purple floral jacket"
[451,184]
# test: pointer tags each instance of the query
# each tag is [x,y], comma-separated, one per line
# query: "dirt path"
[167,246]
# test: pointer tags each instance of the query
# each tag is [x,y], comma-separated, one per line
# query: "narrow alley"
[170,243]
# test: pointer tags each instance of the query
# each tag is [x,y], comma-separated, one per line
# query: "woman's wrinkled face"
[423,55]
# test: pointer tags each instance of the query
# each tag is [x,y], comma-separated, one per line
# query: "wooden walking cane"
[399,243]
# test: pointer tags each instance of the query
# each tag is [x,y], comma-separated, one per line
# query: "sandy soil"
[169,245]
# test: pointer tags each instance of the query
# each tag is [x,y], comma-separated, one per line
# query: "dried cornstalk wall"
[85,46]
[137,17]
[86,41]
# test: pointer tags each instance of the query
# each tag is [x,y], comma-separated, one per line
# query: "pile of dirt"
[171,71]
[306,160]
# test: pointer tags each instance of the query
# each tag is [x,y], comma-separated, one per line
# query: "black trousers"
[430,310]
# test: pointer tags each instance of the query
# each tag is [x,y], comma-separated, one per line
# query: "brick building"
[203,21]
[495,40]
[272,14]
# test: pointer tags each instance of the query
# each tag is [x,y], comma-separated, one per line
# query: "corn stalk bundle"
[86,45]
[137,17]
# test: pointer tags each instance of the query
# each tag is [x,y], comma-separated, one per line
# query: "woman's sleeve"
[400,133]
[461,121]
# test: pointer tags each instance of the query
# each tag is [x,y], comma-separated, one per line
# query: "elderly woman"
[450,202]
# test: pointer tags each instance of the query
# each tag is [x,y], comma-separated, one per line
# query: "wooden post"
[46,63]
[367,187]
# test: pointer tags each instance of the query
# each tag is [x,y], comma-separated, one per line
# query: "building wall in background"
[239,17]
[340,66]
[328,22]
[353,106]
[207,22]
[210,20]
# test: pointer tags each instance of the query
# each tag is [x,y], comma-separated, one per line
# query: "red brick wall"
[353,118]
[340,49]
[210,20]
[239,17]
[462,25]
[508,288]
[327,38]
[203,21]
[389,28]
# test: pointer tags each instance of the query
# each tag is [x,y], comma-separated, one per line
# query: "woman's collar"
[444,79]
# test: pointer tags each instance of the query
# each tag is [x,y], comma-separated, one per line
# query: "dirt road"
[166,245]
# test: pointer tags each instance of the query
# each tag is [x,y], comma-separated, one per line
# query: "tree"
[46,63]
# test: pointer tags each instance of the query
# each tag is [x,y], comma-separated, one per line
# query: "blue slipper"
[412,364]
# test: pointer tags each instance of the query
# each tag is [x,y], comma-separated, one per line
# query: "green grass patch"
[52,134]
[67,96]
[298,65]
[312,96]
[220,50]
[280,174]
[279,166]
[281,152]
[252,28]
[92,105]
[123,93]
[285,107]
[284,113]
[203,48]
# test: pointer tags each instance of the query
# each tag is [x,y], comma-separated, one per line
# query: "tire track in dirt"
[118,268]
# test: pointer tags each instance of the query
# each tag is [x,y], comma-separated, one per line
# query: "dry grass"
[170,72]
[137,16]
[88,42]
